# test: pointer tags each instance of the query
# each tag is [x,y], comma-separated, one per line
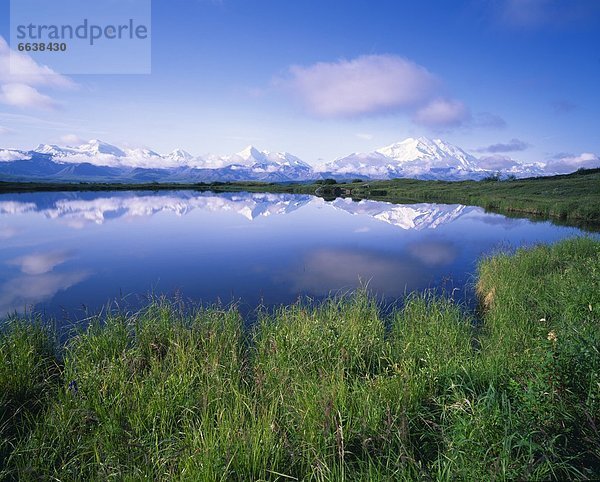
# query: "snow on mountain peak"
[248,156]
[96,146]
[421,157]
[180,155]
[432,150]
[249,151]
[271,160]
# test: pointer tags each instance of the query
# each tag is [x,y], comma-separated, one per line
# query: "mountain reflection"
[405,216]
[83,209]
[80,209]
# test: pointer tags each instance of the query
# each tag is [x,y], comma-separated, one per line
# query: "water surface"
[68,253]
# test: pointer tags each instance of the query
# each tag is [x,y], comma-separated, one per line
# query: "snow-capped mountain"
[420,158]
[101,153]
[250,162]
[251,157]
[435,152]
[180,156]
[96,147]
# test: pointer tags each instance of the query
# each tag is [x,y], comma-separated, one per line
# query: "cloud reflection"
[40,263]
[27,290]
[328,270]
[433,253]
[37,281]
[7,232]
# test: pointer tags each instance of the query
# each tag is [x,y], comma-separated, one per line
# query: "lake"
[67,254]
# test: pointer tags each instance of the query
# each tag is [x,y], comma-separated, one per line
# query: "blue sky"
[319,79]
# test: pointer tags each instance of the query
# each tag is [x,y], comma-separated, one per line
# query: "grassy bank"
[332,391]
[572,198]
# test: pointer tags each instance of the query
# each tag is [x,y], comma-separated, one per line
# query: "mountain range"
[420,158]
[77,209]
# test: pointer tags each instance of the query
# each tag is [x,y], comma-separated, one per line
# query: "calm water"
[62,253]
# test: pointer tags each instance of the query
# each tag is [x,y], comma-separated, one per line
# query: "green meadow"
[336,390]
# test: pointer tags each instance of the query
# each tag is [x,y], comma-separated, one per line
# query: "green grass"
[571,199]
[327,391]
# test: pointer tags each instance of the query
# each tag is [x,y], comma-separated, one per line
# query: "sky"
[322,79]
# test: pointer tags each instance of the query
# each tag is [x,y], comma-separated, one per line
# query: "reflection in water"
[40,263]
[7,232]
[405,216]
[15,207]
[203,245]
[325,271]
[395,273]
[37,283]
[433,253]
[83,210]
[79,209]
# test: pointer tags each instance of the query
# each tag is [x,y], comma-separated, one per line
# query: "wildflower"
[73,388]
[543,320]
[552,337]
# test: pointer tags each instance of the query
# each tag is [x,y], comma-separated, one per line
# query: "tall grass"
[329,391]
[28,372]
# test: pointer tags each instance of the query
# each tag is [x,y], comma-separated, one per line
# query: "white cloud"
[16,67]
[5,130]
[21,76]
[365,136]
[497,162]
[72,140]
[365,85]
[442,113]
[373,84]
[9,155]
[569,163]
[23,95]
